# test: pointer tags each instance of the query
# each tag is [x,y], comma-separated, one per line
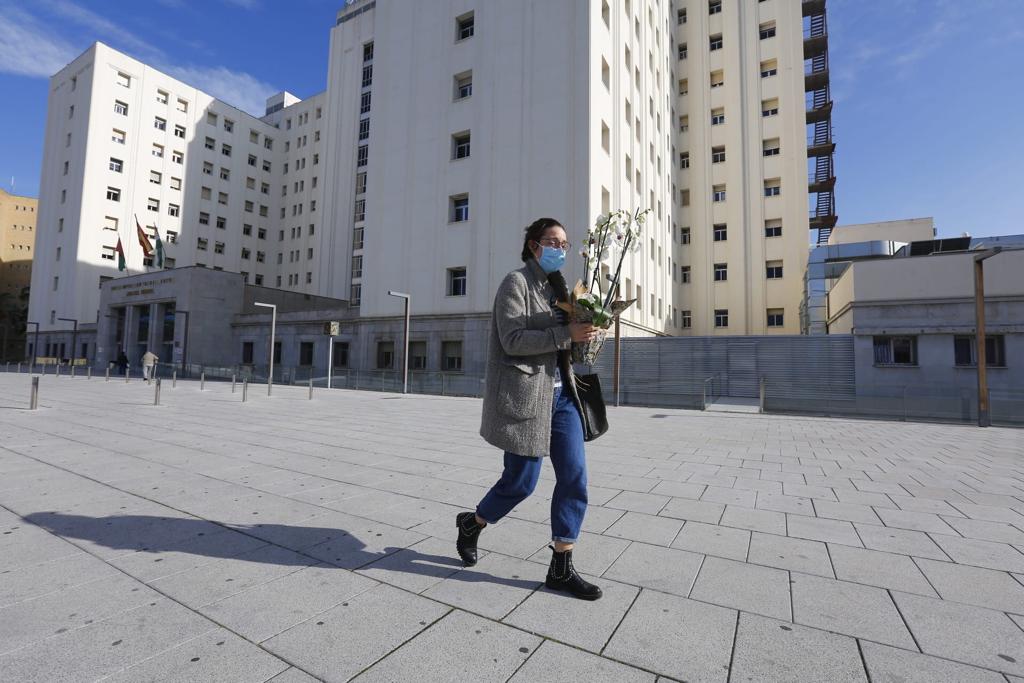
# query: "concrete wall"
[906,230]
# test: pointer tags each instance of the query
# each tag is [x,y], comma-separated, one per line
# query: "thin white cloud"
[244,4]
[27,48]
[237,88]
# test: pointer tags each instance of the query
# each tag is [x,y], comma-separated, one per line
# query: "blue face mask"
[551,259]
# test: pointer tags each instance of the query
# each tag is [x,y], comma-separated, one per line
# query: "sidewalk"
[293,540]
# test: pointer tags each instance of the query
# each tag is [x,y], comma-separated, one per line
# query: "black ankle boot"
[562,576]
[469,531]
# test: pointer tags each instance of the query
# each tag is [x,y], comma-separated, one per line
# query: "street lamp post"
[273,332]
[74,337]
[405,340]
[984,418]
[35,346]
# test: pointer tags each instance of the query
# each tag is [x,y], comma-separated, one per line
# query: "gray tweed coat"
[523,352]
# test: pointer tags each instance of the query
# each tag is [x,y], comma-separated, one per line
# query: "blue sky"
[929,94]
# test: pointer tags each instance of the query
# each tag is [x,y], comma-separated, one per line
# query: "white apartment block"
[445,129]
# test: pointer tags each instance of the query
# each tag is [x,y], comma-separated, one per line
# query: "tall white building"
[445,129]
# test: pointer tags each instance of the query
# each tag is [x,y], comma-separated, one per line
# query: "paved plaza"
[290,540]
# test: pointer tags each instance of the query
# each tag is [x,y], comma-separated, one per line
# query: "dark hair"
[534,231]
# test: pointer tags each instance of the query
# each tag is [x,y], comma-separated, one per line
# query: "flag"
[147,246]
[159,248]
[121,265]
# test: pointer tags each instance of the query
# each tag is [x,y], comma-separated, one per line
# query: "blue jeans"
[518,480]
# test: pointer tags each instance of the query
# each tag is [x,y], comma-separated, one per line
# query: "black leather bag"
[595,418]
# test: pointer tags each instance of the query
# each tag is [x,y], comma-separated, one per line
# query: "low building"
[17,241]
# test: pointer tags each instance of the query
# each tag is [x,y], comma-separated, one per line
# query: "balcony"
[813,7]
[815,43]
[817,147]
[820,112]
[825,185]
[815,80]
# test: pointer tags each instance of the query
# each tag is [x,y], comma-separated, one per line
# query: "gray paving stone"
[492,588]
[636,526]
[599,518]
[917,521]
[902,541]
[796,554]
[190,554]
[877,568]
[365,542]
[754,520]
[875,500]
[770,650]
[217,655]
[746,587]
[293,675]
[848,608]
[975,586]
[919,504]
[581,623]
[984,530]
[651,566]
[710,539]
[556,662]
[675,637]
[964,633]
[991,555]
[638,502]
[729,496]
[828,530]
[782,503]
[49,577]
[892,665]
[677,489]
[459,647]
[695,510]
[593,553]
[349,637]
[990,513]
[850,512]
[417,568]
[805,491]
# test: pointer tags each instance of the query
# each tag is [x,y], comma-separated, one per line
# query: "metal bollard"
[156,392]
[127,373]
[33,401]
[72,372]
[174,379]
[311,387]
[232,382]
[7,367]
[245,389]
[19,368]
[202,381]
[56,370]
[88,372]
[107,376]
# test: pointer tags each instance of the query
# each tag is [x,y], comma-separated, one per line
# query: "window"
[116,165]
[715,7]
[721,272]
[463,85]
[201,243]
[225,174]
[211,118]
[120,108]
[158,151]
[222,198]
[264,188]
[110,223]
[161,97]
[364,102]
[247,354]
[221,223]
[225,149]
[263,210]
[261,257]
[155,177]
[118,136]
[368,75]
[179,132]
[772,187]
[246,229]
[261,233]
[266,166]
[153,205]
[159,123]
[773,227]
[715,41]
[718,193]
[464,27]
[339,358]
[717,79]
[769,68]
[717,117]
[681,17]
[178,157]
[172,237]
[204,218]
[721,232]
[456,282]
[218,247]
[895,350]
[775,317]
[124,80]
[364,129]
[684,235]
[770,107]
[682,51]
[686,320]
[182,106]
[205,193]
[362,156]
[684,160]
[767,30]
[229,125]
[305,353]
[685,273]
[357,238]
[771,147]
[773,270]
[684,88]
[108,253]
[965,351]
[458,208]
[721,317]
[460,145]
[173,210]
[385,355]
[717,155]
[451,356]
[360,210]
[113,194]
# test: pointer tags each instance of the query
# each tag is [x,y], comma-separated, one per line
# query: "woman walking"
[531,408]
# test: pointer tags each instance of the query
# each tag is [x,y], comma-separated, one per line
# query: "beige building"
[17,239]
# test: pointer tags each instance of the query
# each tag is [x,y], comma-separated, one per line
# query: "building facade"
[17,240]
[440,135]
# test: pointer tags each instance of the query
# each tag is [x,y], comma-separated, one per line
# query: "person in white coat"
[149,359]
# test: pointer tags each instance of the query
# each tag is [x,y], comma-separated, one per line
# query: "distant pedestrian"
[122,362]
[531,408]
[149,359]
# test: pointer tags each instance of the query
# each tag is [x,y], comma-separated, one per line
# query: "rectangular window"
[458,208]
[210,143]
[717,155]
[225,149]
[775,317]
[721,272]
[116,165]
[360,210]
[178,157]
[721,232]
[155,177]
[221,223]
[684,235]
[159,123]
[305,353]
[247,355]
[456,282]
[895,350]
[773,270]
[364,102]
[161,97]
[261,257]
[211,118]
[158,151]
[717,79]
[225,174]
[769,68]
[714,7]
[718,193]
[205,193]
[113,194]
[173,210]
[684,89]
[357,238]
[715,42]
[222,198]
[682,51]
[266,166]
[153,204]
[120,108]
[182,106]
[118,136]
[460,146]
[770,147]
[340,356]
[464,26]
[717,117]
[721,317]
[773,227]
[681,17]
[368,75]
[364,129]
[463,85]
[229,125]
[684,160]
[965,351]
[684,124]
[172,237]
[685,273]
[686,319]
[218,247]
[367,56]
[451,356]
[769,107]
[385,355]
[179,132]
[201,243]
[362,155]
[204,218]
[767,30]
[772,187]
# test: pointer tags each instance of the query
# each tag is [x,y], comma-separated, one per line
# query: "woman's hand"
[582,332]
